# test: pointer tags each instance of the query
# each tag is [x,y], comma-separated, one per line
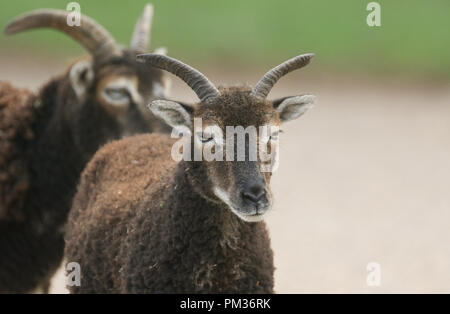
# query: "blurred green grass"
[414,37]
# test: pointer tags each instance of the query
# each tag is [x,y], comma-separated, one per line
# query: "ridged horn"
[89,34]
[199,83]
[141,34]
[265,84]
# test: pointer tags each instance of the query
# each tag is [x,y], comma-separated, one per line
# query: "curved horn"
[90,34]
[199,83]
[265,84]
[141,34]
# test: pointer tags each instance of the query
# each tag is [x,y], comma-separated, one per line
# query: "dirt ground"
[363,177]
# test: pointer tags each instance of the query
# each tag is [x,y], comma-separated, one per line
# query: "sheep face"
[234,145]
[111,91]
[121,90]
[235,172]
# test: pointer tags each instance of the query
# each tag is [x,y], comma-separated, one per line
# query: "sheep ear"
[81,76]
[175,114]
[291,108]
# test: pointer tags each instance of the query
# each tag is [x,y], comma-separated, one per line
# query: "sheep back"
[119,175]
[17,114]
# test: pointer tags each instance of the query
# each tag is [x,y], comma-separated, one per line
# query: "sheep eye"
[205,138]
[117,94]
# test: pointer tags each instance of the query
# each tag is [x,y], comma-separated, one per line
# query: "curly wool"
[30,247]
[17,114]
[48,142]
[138,226]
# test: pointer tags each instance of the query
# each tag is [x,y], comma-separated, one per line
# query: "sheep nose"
[254,192]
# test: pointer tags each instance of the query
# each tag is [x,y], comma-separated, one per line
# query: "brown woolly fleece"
[45,142]
[140,223]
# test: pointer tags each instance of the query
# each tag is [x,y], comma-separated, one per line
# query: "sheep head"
[227,167]
[111,78]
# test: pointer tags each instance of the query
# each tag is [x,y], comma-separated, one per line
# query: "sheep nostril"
[254,193]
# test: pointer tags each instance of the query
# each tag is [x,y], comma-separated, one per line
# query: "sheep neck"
[215,250]
[200,210]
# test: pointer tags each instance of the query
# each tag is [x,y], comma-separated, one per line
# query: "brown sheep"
[15,132]
[143,223]
[46,140]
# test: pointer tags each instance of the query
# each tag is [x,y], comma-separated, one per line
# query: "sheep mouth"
[246,212]
[254,215]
